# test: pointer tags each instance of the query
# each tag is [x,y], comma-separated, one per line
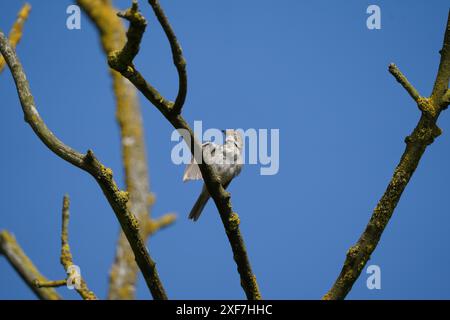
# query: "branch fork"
[121,61]
[67,259]
[89,163]
[416,143]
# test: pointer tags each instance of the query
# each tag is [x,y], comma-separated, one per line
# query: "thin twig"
[17,30]
[177,55]
[124,271]
[88,162]
[50,284]
[66,259]
[118,61]
[66,255]
[422,136]
[73,276]
[398,75]
[154,225]
[24,267]
[122,60]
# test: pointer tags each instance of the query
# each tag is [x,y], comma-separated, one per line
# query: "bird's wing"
[192,171]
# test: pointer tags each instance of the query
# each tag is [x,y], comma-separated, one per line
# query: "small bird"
[226,160]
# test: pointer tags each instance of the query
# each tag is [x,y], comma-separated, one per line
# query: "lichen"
[234,221]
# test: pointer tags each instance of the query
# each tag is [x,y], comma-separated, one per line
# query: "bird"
[226,160]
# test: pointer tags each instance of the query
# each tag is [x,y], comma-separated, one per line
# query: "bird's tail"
[199,204]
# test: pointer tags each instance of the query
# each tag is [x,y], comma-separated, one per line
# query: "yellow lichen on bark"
[17,30]
[123,273]
[12,251]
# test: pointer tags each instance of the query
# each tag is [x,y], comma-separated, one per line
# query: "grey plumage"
[199,204]
[225,159]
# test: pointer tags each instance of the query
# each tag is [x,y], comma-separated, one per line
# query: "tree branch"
[220,196]
[123,275]
[51,284]
[154,225]
[177,55]
[404,82]
[16,31]
[88,162]
[67,260]
[441,83]
[422,136]
[66,255]
[122,60]
[12,251]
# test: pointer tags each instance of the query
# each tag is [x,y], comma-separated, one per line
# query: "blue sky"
[311,69]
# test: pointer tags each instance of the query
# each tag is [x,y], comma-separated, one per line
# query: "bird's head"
[233,136]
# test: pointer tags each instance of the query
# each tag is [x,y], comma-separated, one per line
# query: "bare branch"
[14,254]
[122,60]
[123,275]
[31,114]
[134,34]
[177,55]
[422,136]
[154,225]
[16,31]
[441,83]
[220,196]
[50,284]
[66,255]
[117,199]
[404,82]
[67,260]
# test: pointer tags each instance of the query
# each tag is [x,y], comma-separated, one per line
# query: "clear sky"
[311,69]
